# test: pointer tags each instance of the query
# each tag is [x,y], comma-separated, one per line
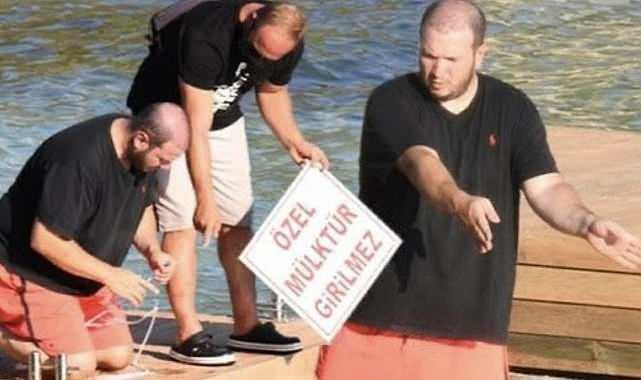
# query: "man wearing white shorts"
[205,58]
[231,177]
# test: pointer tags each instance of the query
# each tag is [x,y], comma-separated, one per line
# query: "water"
[65,61]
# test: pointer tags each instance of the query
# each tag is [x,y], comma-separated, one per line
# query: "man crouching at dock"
[66,225]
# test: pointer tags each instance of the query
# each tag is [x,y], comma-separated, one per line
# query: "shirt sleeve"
[152,194]
[283,73]
[67,200]
[199,62]
[531,155]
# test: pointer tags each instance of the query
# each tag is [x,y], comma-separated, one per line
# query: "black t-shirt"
[205,48]
[76,186]
[438,284]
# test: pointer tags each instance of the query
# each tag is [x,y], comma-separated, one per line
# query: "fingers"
[165,271]
[491,213]
[209,230]
[306,150]
[319,157]
[148,286]
[624,261]
[633,257]
[130,287]
[614,242]
[480,214]
[296,156]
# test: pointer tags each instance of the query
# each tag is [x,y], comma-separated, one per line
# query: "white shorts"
[231,176]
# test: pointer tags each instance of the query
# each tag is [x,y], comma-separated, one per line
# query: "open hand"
[129,285]
[613,241]
[477,213]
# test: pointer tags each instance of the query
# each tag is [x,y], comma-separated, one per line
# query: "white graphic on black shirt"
[226,95]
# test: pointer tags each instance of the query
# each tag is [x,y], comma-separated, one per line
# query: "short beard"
[456,92]
[135,159]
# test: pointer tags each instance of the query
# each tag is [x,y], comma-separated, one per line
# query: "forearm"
[199,163]
[561,207]
[198,105]
[432,180]
[277,111]
[145,239]
[68,255]
[558,204]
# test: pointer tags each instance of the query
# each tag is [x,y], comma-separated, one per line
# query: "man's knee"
[16,348]
[113,359]
[82,365]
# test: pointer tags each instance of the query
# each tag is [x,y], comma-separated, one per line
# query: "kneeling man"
[66,225]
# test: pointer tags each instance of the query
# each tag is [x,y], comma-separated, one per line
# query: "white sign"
[320,249]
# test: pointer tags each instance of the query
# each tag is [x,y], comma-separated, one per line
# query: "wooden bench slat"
[587,322]
[574,355]
[577,286]
[565,252]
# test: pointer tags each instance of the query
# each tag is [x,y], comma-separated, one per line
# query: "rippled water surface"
[65,61]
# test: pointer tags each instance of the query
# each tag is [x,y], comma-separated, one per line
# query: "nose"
[438,70]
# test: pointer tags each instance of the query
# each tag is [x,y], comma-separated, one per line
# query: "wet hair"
[436,16]
[289,16]
[150,120]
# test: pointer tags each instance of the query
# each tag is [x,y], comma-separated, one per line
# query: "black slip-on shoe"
[265,338]
[200,349]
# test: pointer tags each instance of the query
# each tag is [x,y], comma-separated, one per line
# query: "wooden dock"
[574,310]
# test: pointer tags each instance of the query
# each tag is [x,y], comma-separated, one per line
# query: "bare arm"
[146,243]
[198,105]
[70,257]
[276,108]
[558,203]
[423,168]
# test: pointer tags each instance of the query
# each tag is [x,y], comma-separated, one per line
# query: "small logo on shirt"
[492,141]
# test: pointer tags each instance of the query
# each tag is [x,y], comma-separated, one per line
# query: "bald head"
[454,15]
[163,122]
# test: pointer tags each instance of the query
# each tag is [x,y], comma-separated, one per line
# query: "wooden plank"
[247,366]
[549,249]
[578,287]
[574,355]
[587,322]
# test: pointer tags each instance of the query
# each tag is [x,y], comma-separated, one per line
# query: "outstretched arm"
[276,108]
[422,166]
[558,204]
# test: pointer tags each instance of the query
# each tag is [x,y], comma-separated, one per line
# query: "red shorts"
[55,321]
[361,352]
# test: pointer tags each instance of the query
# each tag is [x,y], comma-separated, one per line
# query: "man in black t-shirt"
[66,225]
[205,60]
[444,154]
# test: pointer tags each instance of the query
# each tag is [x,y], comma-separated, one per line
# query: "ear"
[141,141]
[480,55]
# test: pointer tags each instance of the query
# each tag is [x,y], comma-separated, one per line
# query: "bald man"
[206,59]
[445,152]
[67,223]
